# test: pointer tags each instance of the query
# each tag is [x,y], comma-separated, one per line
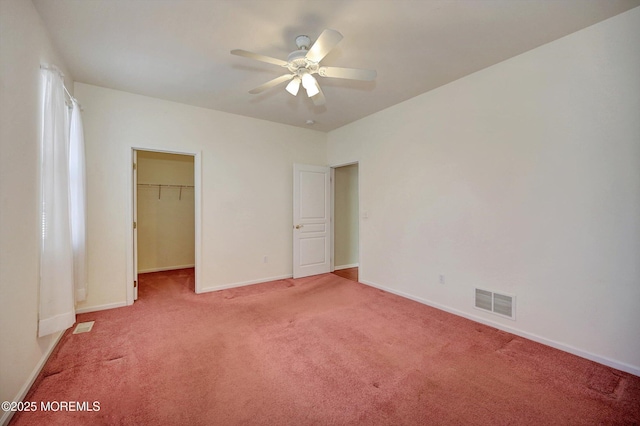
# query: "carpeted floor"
[320,350]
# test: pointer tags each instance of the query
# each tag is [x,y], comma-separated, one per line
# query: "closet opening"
[165,211]
[345,256]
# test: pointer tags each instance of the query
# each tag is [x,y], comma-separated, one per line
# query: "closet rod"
[160,185]
[165,185]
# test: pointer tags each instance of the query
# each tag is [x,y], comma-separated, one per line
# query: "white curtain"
[78,202]
[56,262]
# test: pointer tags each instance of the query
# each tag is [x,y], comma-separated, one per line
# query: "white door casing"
[311,220]
[135,225]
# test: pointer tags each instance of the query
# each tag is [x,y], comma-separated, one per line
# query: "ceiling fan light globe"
[293,86]
[312,90]
[308,81]
[310,84]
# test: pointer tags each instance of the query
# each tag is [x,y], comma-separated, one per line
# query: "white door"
[311,218]
[135,225]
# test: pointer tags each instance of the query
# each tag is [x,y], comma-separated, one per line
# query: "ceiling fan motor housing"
[297,60]
[303,42]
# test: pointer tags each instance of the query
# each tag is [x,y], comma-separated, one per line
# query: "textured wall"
[523,178]
[24,46]
[246,176]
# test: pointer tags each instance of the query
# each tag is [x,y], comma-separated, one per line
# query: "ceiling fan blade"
[319,99]
[258,57]
[271,83]
[349,73]
[323,45]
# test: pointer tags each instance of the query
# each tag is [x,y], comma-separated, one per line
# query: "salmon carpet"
[320,350]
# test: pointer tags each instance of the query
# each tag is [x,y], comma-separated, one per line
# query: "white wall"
[24,45]
[522,178]
[247,171]
[166,215]
[346,216]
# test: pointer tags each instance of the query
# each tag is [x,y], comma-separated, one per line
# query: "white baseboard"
[165,268]
[243,283]
[353,265]
[7,415]
[631,369]
[100,307]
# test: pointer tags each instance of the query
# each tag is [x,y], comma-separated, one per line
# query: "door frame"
[197,190]
[134,200]
[332,222]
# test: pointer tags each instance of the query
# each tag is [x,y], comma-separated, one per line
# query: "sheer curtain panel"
[57,310]
[78,201]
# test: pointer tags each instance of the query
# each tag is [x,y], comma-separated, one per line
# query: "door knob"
[299,226]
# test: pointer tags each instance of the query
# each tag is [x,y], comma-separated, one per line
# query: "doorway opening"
[166,217]
[346,219]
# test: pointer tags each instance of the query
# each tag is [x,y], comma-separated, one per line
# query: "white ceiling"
[179,49]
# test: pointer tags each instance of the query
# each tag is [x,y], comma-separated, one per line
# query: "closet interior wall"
[346,217]
[166,227]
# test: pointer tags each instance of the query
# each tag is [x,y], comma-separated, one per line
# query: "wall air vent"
[499,304]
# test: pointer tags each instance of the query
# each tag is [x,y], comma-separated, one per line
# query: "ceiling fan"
[304,62]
